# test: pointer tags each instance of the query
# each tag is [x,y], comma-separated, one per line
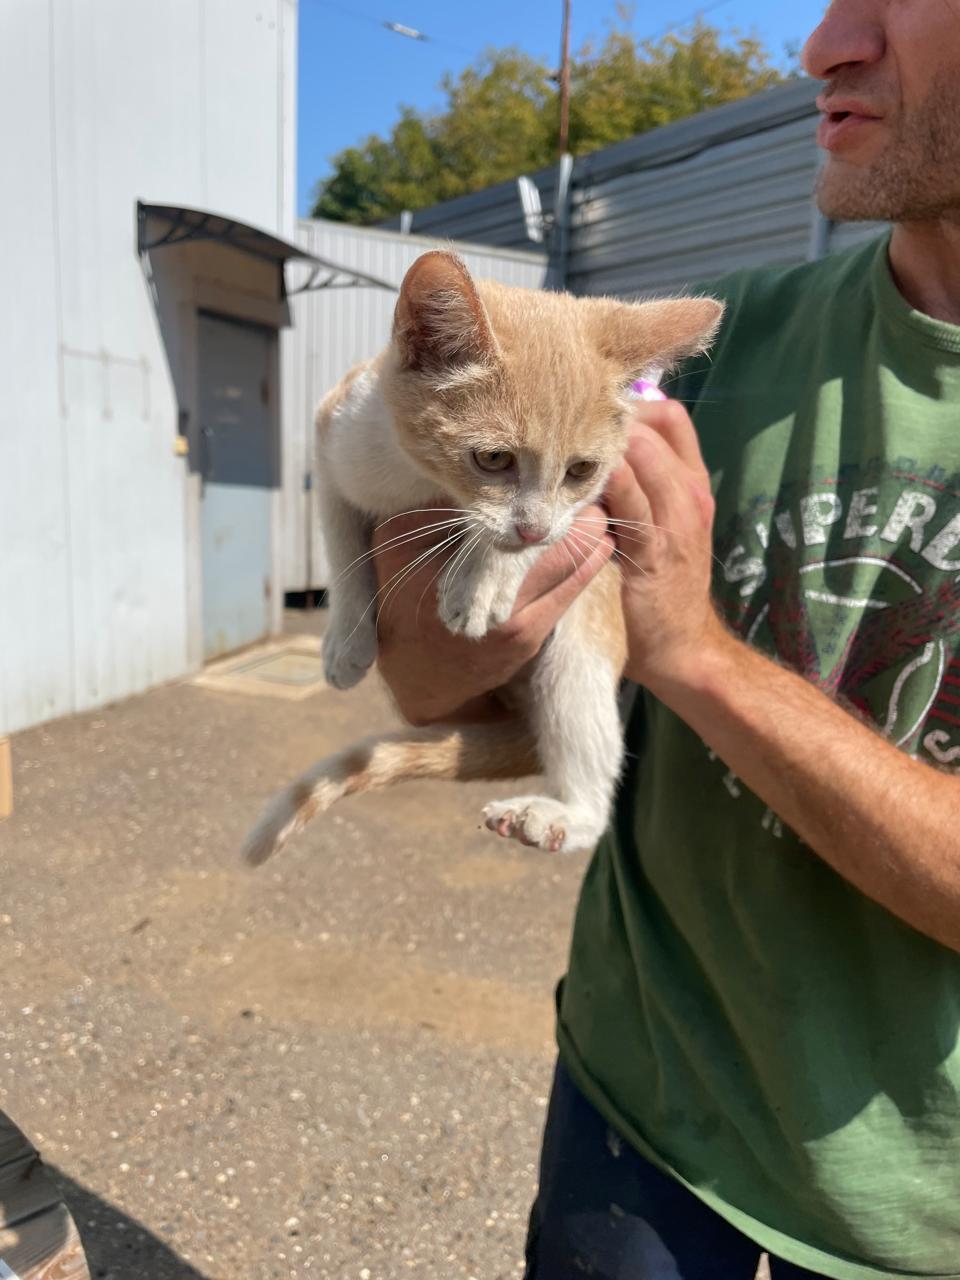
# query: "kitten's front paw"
[460,613]
[349,651]
[473,608]
[544,823]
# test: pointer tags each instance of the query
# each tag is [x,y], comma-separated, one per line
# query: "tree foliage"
[501,116]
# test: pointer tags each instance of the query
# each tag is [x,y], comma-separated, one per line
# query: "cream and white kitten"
[504,410]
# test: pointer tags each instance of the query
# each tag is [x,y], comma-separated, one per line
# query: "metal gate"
[238,465]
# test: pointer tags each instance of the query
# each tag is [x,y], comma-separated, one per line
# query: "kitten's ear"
[642,335]
[440,320]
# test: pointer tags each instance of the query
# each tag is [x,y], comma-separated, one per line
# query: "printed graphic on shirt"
[855,583]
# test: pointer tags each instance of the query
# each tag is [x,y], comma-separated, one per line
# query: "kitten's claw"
[543,823]
[348,655]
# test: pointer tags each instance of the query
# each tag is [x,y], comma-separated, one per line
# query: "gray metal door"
[238,468]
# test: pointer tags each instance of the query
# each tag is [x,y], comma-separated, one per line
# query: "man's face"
[891,109]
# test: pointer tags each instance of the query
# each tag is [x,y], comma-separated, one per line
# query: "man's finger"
[659,475]
[670,420]
[624,497]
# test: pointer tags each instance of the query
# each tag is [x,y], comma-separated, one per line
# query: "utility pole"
[565,79]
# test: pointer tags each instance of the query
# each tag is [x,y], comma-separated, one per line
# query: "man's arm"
[887,823]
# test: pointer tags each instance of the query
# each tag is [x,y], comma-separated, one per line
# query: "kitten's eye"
[580,470]
[493,459]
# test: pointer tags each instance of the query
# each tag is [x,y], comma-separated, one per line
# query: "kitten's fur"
[479,369]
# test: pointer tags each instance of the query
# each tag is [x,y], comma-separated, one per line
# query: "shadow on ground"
[118,1247]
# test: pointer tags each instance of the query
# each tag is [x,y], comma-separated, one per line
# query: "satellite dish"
[533,218]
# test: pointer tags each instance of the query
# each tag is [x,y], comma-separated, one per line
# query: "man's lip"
[837,132]
[830,105]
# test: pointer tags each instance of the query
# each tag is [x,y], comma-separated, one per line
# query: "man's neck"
[925,261]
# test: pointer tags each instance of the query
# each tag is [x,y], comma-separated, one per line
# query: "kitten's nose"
[530,532]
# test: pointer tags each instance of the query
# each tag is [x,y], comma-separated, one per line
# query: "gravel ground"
[334,1067]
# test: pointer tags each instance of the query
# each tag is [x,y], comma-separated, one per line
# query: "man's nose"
[850,34]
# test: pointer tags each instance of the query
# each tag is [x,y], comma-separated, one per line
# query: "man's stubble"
[916,178]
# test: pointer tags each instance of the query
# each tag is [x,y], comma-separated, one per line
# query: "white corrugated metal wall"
[107,101]
[332,330]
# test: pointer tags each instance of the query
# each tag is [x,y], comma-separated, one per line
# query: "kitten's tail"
[502,749]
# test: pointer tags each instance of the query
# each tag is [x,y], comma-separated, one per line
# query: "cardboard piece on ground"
[6,779]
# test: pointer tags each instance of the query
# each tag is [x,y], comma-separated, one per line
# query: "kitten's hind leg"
[350,641]
[576,718]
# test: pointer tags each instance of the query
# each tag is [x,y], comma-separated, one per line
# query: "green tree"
[501,116]
[627,88]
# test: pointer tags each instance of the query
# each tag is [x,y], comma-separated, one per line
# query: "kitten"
[504,410]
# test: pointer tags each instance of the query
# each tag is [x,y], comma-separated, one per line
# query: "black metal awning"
[184,225]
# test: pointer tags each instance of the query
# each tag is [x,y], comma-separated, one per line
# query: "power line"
[691,17]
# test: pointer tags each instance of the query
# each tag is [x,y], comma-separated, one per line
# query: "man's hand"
[434,675]
[661,513]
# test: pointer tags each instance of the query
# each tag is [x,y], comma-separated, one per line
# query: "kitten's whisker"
[402,577]
[623,556]
[566,548]
[460,559]
[396,542]
[617,552]
[393,585]
[640,524]
[416,511]
[424,592]
[398,576]
[628,524]
[398,580]
[432,582]
[643,542]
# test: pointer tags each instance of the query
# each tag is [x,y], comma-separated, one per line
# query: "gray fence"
[726,189]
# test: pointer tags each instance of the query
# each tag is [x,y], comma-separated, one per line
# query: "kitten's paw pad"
[348,656]
[543,823]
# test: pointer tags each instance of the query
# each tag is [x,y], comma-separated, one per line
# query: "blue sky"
[354,74]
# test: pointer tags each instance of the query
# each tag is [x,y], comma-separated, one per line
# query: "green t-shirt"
[782,1044]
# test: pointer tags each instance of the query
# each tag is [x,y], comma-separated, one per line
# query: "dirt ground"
[334,1067]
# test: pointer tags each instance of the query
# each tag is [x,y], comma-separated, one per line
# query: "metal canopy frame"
[186,225]
[339,278]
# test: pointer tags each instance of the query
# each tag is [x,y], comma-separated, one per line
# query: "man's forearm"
[886,822]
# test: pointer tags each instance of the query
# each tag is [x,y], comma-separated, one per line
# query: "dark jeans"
[604,1211]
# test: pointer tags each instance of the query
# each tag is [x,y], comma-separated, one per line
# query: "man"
[759,1027]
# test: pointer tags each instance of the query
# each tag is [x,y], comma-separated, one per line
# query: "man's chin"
[846,194]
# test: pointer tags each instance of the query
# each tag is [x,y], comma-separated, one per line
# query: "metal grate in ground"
[291,668]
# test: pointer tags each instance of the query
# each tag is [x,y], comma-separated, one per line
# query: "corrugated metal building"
[108,354]
[727,189]
[333,329]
